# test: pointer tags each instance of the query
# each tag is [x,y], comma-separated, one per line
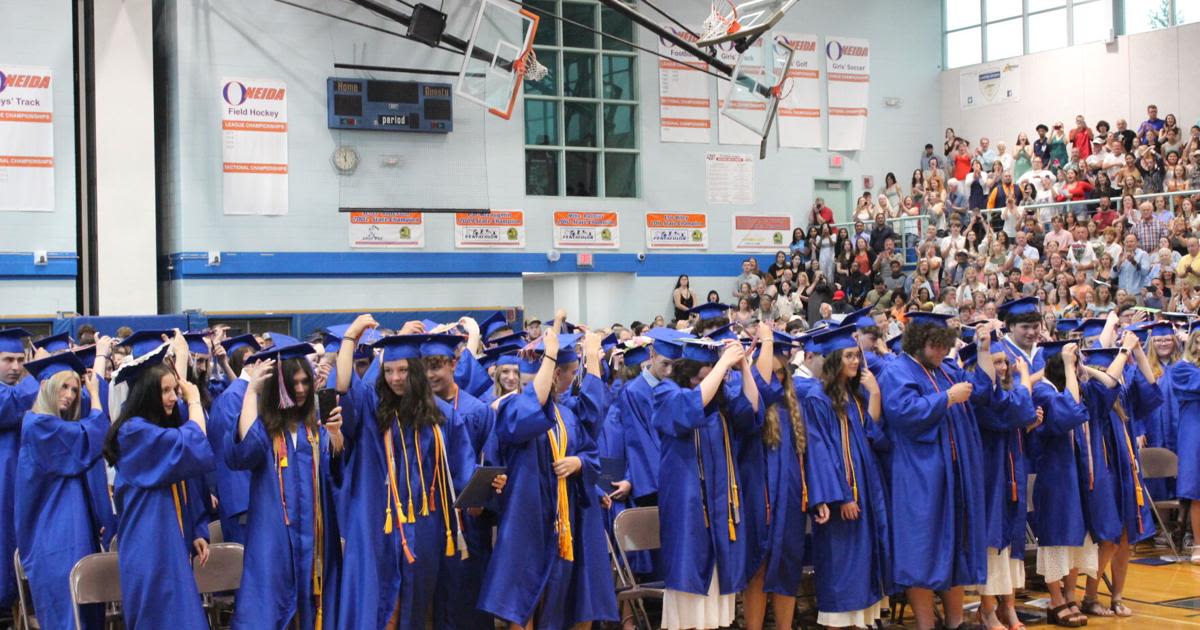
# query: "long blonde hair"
[771,433]
[47,398]
[1191,352]
[1152,355]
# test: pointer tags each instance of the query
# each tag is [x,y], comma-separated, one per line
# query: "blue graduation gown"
[1185,383]
[1003,415]
[1140,398]
[1097,477]
[1162,431]
[15,400]
[103,509]
[54,520]
[458,589]
[850,557]
[750,456]
[1036,363]
[635,405]
[233,486]
[612,444]
[938,514]
[470,375]
[694,511]
[157,583]
[788,496]
[277,574]
[1058,518]
[526,570]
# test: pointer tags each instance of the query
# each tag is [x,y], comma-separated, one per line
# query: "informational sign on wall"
[586,229]
[848,79]
[729,178]
[800,108]
[387,230]
[254,146]
[676,230]
[992,85]
[761,232]
[684,94]
[496,229]
[26,139]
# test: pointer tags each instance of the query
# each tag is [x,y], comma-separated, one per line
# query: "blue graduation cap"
[967,334]
[54,343]
[637,355]
[1178,318]
[518,338]
[143,341]
[196,343]
[332,337]
[609,342]
[833,340]
[783,343]
[501,355]
[43,369]
[135,367]
[968,354]
[722,333]
[529,367]
[1067,325]
[941,320]
[234,344]
[1092,327]
[495,323]
[283,352]
[666,342]
[1019,306]
[896,343]
[1141,331]
[86,354]
[1100,357]
[281,340]
[396,347]
[709,310]
[12,340]
[860,318]
[1051,348]
[440,345]
[364,351]
[566,348]
[701,350]
[429,325]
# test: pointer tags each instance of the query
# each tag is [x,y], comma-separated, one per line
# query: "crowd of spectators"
[973,230]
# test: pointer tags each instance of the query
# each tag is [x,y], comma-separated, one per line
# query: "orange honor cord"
[281,462]
[734,499]
[558,450]
[441,472]
[412,514]
[949,426]
[851,473]
[318,566]
[389,446]
[1137,485]
[420,471]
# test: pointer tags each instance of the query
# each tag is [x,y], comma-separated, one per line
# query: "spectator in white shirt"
[985,154]
[948,305]
[1003,156]
[1080,254]
[950,244]
[1037,172]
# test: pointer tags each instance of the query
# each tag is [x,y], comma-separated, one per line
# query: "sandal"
[983,624]
[1069,621]
[1196,555]
[1119,609]
[1077,614]
[1092,607]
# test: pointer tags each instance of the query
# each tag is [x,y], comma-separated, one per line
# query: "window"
[1149,15]
[989,30]
[581,120]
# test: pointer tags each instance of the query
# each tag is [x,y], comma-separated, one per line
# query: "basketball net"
[530,67]
[718,24]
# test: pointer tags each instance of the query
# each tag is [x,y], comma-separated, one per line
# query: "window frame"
[1116,17]
[601,100]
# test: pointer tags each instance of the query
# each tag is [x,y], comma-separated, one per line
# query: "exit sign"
[835,161]
[583,259]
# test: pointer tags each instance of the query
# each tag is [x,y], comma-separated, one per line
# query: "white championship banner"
[848,76]
[676,230]
[800,108]
[730,131]
[387,230]
[684,95]
[500,229]
[254,146]
[586,229]
[990,86]
[26,139]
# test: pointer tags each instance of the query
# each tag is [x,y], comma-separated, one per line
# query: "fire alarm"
[583,259]
[835,161]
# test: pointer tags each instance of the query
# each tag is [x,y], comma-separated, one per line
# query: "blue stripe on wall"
[19,266]
[194,265]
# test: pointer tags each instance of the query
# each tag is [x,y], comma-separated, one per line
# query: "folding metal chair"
[636,529]
[26,618]
[95,579]
[215,534]
[1161,463]
[221,574]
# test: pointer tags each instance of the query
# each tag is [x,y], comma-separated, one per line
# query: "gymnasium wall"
[480,164]
[1101,81]
[39,34]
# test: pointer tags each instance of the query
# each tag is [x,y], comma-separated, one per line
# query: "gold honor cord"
[733,496]
[390,450]
[851,473]
[180,490]
[318,565]
[558,449]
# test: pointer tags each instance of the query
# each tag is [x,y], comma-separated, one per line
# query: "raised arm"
[345,356]
[766,352]
[258,373]
[543,381]
[731,356]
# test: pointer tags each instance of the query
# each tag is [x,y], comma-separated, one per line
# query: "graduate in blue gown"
[783,438]
[1185,382]
[846,492]
[550,566]
[1059,519]
[937,508]
[1163,350]
[292,563]
[1003,402]
[155,450]
[17,392]
[233,486]
[406,455]
[699,418]
[1024,321]
[55,519]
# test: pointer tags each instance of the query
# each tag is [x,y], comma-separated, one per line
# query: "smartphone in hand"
[326,403]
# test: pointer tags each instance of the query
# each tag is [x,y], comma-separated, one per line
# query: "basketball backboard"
[756,85]
[498,55]
[742,21]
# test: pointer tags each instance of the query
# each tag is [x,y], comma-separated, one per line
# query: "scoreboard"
[371,105]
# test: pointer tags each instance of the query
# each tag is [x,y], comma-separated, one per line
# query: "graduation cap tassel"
[285,400]
[463,554]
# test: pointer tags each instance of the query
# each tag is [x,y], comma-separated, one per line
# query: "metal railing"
[1093,203]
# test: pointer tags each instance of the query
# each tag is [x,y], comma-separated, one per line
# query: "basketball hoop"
[717,24]
[530,67]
